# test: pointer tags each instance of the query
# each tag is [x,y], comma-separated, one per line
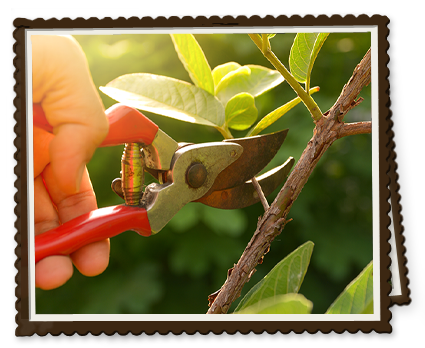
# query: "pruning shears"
[216,174]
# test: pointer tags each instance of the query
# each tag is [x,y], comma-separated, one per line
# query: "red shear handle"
[126,125]
[91,227]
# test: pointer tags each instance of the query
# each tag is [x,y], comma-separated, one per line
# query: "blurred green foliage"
[175,270]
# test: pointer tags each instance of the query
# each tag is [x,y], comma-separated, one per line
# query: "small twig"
[355,128]
[260,193]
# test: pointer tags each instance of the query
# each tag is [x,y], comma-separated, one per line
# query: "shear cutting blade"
[244,195]
[258,151]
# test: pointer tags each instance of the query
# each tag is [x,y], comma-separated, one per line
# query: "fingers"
[53,271]
[91,259]
[45,215]
[69,206]
[70,151]
[63,85]
[41,143]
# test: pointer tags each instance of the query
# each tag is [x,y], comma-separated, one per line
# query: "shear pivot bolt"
[196,175]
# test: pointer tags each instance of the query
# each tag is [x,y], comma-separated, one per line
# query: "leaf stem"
[307,84]
[266,43]
[305,97]
[225,132]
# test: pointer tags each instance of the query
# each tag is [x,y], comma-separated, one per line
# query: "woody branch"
[328,128]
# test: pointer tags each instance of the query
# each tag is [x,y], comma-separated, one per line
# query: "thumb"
[63,85]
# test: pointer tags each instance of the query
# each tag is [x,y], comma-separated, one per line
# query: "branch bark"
[329,128]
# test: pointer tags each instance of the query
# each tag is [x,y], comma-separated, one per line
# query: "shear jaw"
[163,201]
[158,155]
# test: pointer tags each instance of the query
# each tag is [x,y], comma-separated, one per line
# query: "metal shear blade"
[244,195]
[258,151]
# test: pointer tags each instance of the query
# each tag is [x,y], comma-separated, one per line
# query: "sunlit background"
[175,270]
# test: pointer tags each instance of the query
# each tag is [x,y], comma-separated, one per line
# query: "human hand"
[62,189]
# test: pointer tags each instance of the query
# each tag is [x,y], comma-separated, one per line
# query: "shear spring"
[132,174]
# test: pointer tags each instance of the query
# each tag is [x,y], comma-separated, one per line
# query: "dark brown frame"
[23,19]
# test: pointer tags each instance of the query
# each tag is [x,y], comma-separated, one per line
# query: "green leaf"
[241,112]
[168,97]
[252,79]
[272,117]
[286,277]
[222,70]
[304,51]
[357,297]
[281,304]
[194,61]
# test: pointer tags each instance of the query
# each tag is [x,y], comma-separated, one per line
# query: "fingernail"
[79,177]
